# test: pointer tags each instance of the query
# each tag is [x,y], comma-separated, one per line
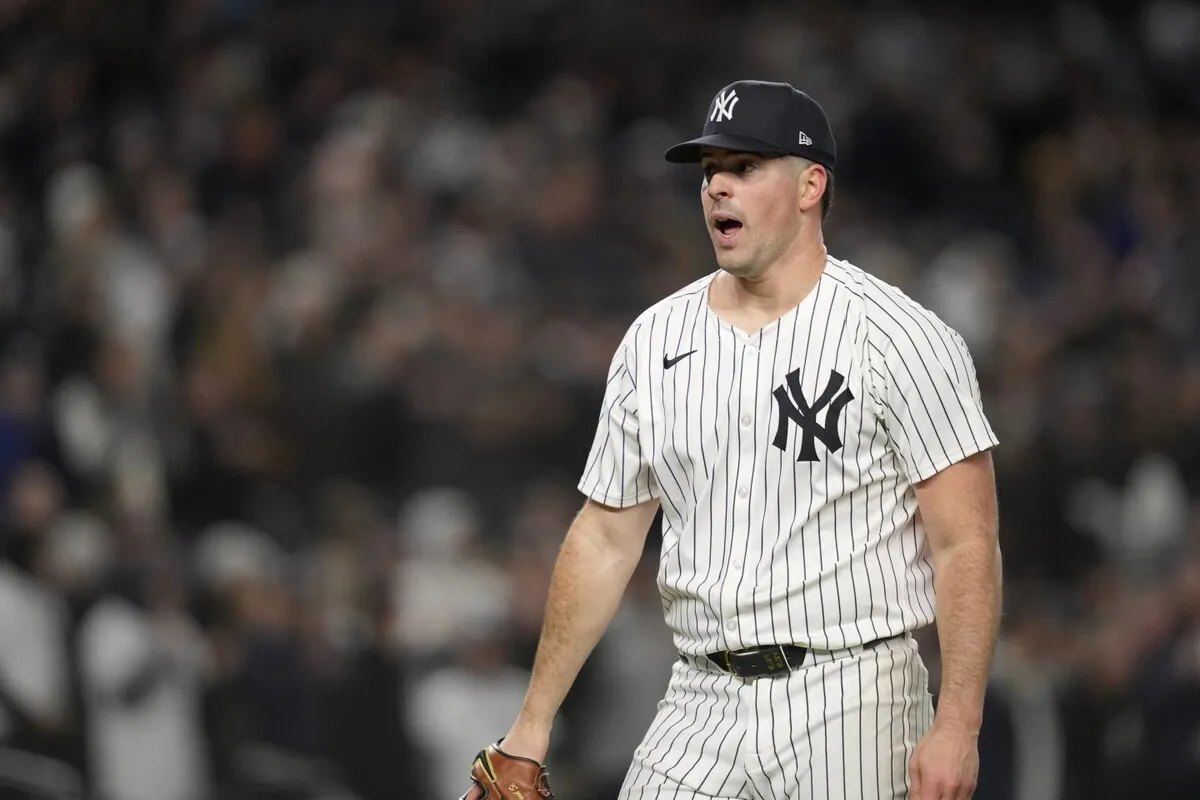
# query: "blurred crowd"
[305,312]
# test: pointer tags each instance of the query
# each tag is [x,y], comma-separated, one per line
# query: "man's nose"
[718,185]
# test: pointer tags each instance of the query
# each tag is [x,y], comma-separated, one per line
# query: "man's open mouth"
[728,227]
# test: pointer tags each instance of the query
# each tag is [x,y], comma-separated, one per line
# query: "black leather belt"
[772,659]
[758,662]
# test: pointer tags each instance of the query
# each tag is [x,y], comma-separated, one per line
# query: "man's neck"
[777,289]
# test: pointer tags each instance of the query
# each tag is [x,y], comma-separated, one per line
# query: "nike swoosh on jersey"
[670,362]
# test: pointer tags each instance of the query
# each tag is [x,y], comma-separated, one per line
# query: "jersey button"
[731,625]
[737,564]
[743,491]
[746,420]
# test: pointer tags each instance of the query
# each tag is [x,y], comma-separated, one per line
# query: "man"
[817,443]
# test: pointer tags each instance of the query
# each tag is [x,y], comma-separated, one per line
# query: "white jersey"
[785,460]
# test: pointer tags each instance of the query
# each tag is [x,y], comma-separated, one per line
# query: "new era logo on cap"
[768,118]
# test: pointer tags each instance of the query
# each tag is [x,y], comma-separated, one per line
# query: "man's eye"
[744,167]
[708,172]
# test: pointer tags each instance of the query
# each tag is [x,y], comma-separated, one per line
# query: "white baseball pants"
[842,727]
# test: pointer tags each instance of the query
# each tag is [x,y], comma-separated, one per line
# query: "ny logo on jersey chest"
[794,406]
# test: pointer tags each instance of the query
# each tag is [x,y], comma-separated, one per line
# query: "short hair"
[827,198]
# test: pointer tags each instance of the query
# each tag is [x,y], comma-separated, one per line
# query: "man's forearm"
[585,591]
[968,617]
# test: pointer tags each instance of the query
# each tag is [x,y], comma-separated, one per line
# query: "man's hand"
[498,775]
[945,765]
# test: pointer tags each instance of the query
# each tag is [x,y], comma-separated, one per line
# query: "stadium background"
[305,309]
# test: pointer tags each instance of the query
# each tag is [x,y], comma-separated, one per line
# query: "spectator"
[34,668]
[445,578]
[142,664]
[476,689]
[371,737]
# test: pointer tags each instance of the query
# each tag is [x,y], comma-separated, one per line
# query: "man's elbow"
[976,555]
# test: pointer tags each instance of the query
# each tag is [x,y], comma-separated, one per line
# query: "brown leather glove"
[496,775]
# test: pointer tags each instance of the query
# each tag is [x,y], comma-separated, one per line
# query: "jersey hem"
[615,501]
[928,470]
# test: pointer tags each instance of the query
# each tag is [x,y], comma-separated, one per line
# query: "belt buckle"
[734,660]
[776,660]
[761,661]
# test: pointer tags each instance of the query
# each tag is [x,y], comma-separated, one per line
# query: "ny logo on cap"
[723,106]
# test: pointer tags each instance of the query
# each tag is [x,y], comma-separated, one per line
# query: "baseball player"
[817,444]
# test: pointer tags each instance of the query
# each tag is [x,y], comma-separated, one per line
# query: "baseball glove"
[496,775]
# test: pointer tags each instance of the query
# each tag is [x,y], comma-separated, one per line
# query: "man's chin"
[735,266]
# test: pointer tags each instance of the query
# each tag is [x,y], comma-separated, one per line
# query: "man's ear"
[814,180]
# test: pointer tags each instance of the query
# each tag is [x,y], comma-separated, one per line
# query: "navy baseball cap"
[772,119]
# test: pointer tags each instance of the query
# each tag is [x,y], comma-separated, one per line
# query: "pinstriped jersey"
[785,460]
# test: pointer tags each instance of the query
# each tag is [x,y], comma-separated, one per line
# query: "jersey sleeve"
[618,471]
[930,395]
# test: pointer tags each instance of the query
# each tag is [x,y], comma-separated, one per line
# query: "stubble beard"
[740,269]
[746,264]
[754,263]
